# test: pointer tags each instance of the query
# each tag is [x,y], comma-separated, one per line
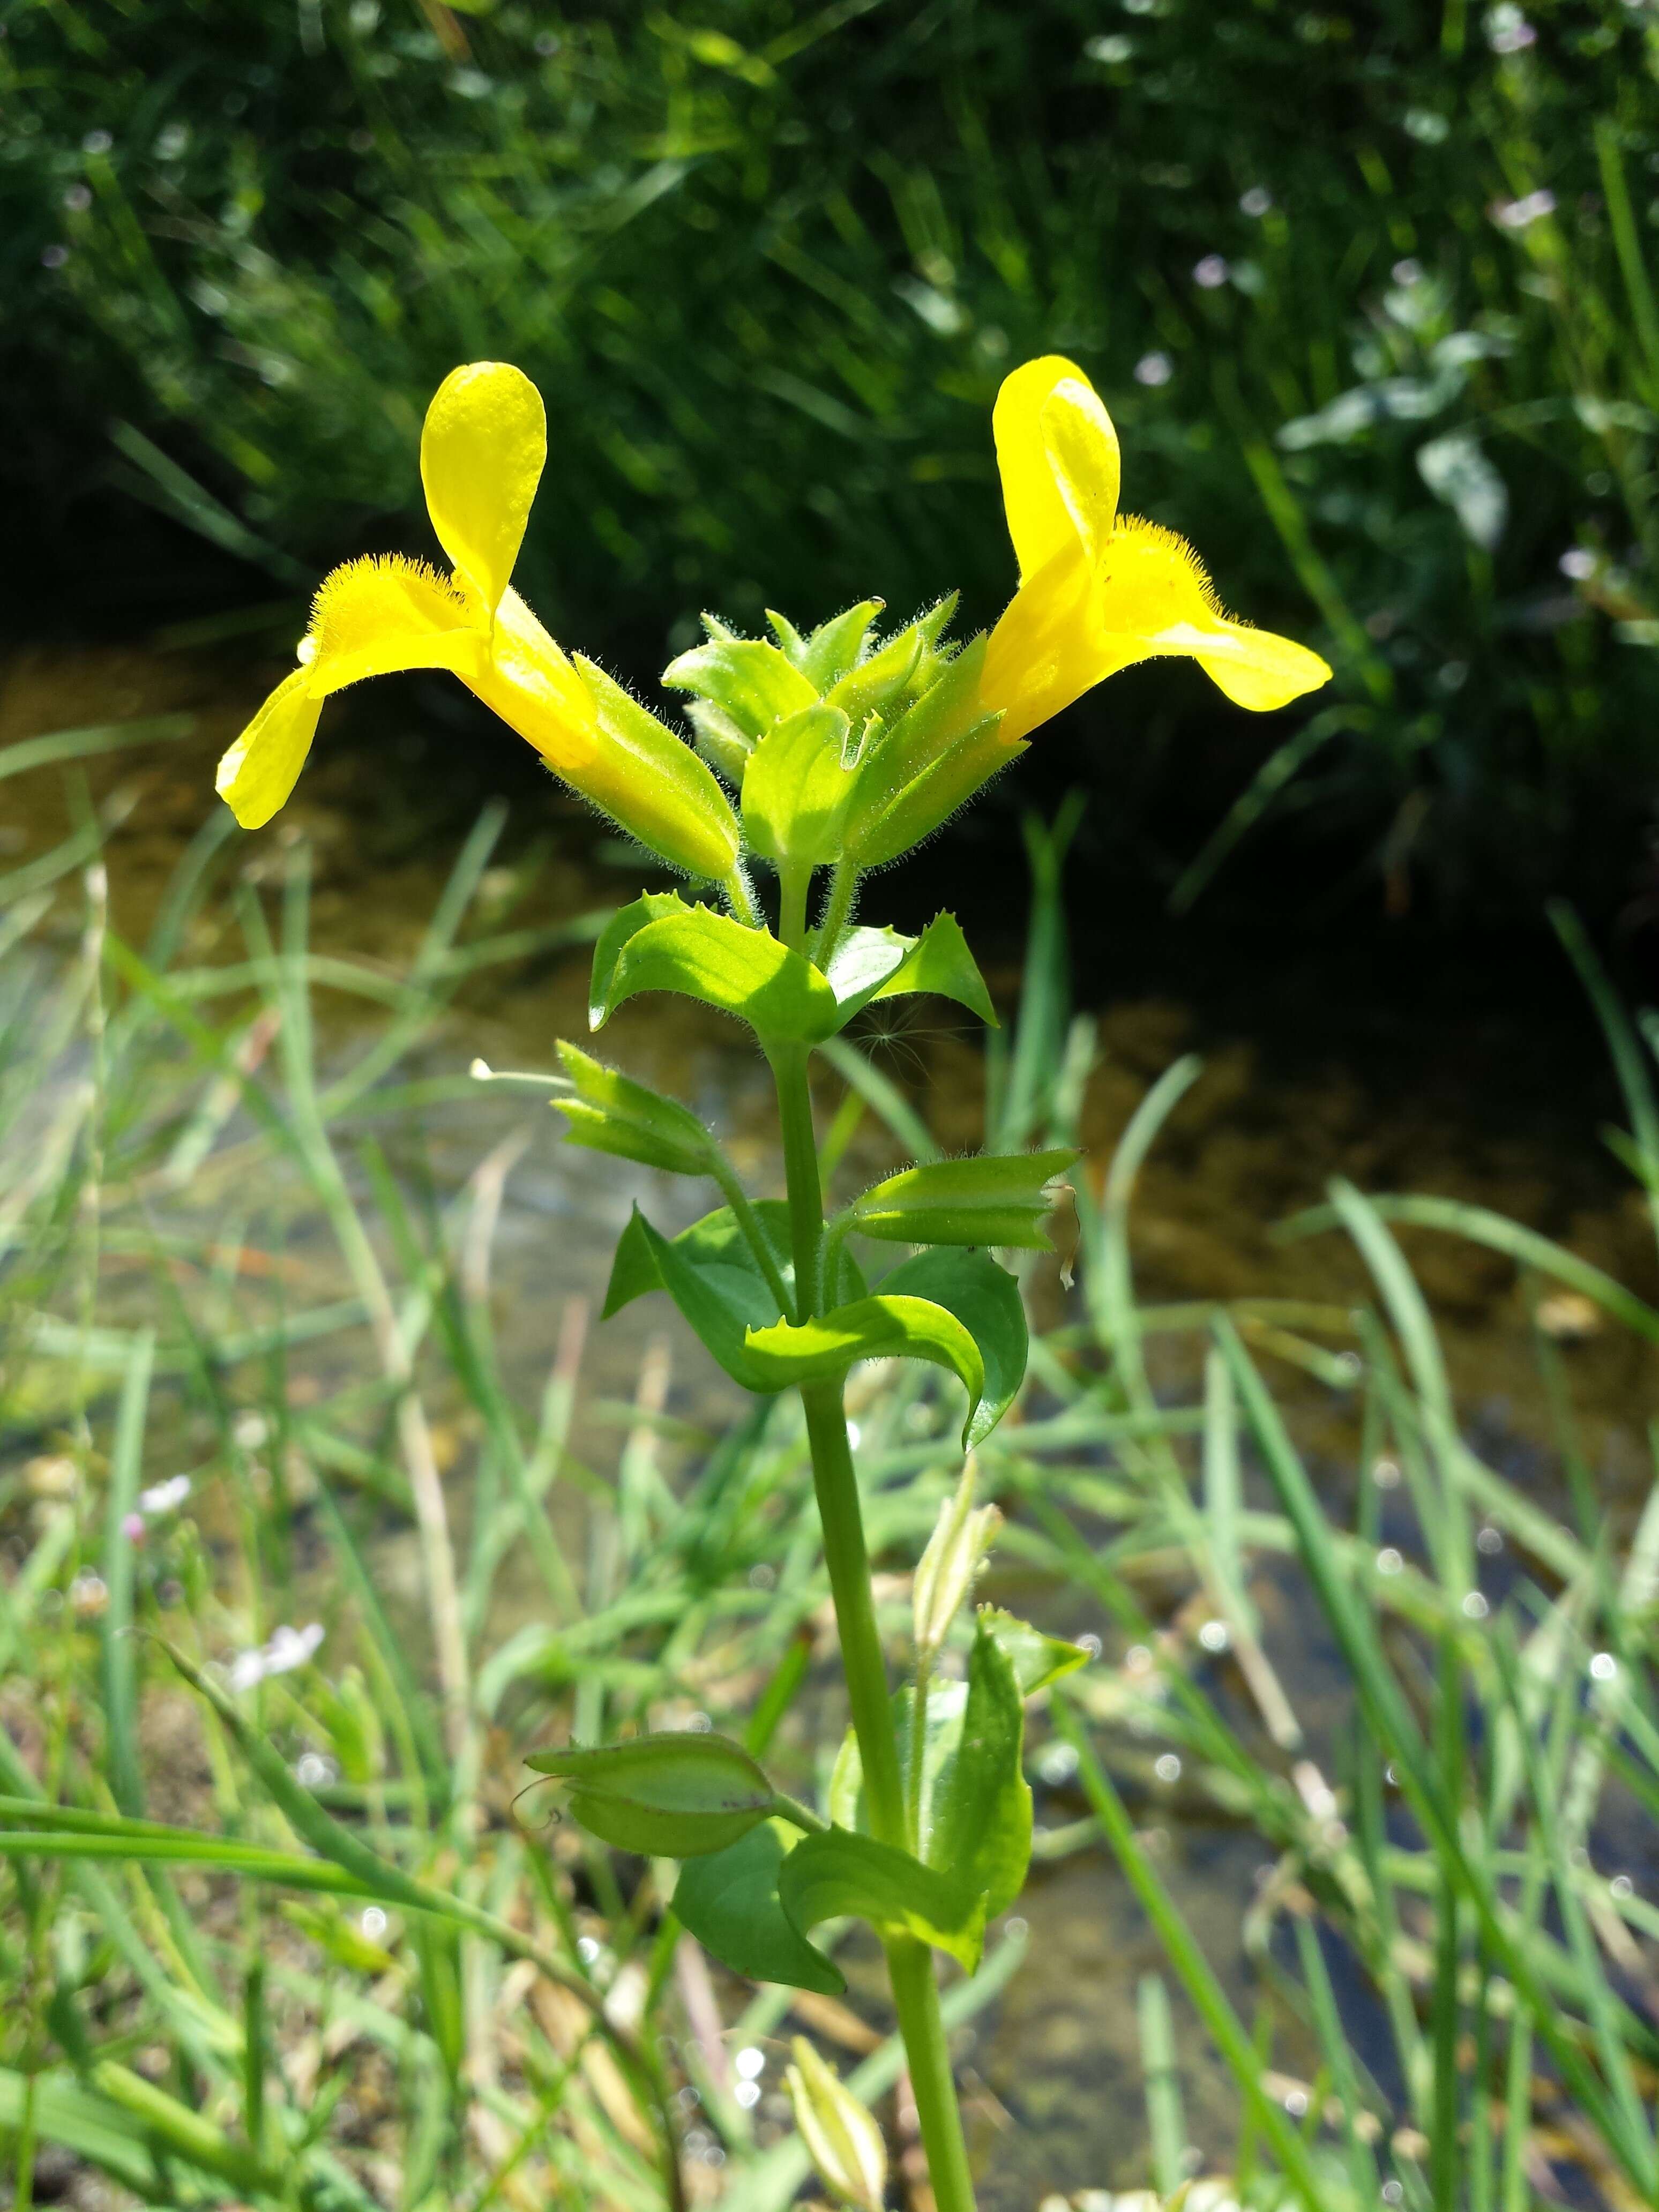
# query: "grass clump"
[278,1933]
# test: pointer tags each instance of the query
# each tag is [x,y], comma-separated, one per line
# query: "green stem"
[916,1992]
[800,1167]
[735,1196]
[915,1999]
[740,897]
[793,884]
[848,1564]
[918,1748]
[843,889]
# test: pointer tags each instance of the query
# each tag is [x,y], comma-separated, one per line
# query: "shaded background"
[1366,289]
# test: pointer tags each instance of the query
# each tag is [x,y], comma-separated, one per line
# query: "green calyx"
[672,1796]
[993,1200]
[609,1112]
[845,747]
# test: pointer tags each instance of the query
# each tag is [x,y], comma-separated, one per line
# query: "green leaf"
[828,1876]
[626,922]
[612,1113]
[748,679]
[744,972]
[978,1818]
[795,789]
[864,962]
[883,1327]
[985,1298]
[939,962]
[1037,1660]
[973,1805]
[988,1200]
[711,1273]
[672,1796]
[730,1902]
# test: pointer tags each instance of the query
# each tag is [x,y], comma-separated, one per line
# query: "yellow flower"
[482,452]
[1099,590]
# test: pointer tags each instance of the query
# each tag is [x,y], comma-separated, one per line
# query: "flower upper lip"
[1099,590]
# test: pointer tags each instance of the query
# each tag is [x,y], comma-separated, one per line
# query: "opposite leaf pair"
[760,1872]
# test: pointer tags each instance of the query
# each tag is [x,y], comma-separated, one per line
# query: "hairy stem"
[740,897]
[843,889]
[795,882]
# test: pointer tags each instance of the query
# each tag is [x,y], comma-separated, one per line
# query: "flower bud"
[841,2133]
[956,1551]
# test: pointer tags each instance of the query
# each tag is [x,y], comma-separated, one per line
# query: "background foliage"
[1366,291]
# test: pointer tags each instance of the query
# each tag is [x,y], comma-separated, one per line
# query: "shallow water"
[1497,1106]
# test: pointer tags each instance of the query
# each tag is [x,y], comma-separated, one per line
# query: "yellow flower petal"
[1073,623]
[1057,453]
[482,453]
[381,614]
[260,770]
[1047,650]
[1156,598]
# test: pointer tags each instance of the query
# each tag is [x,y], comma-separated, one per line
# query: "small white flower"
[1154,368]
[1211,272]
[1579,562]
[1516,214]
[288,1648]
[1257,201]
[1168,1768]
[1507,31]
[164,1496]
[1604,1667]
